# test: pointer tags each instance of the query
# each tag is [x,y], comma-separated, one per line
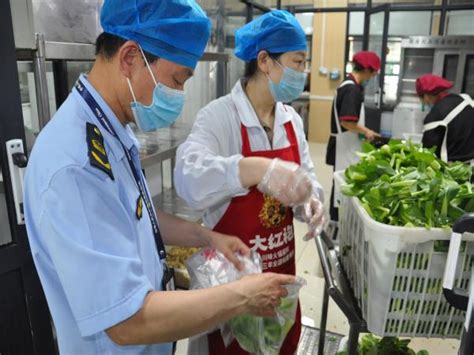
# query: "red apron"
[266,226]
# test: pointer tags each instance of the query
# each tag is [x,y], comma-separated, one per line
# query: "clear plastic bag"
[209,268]
[257,335]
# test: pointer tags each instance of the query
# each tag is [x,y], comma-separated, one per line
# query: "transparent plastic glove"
[315,218]
[287,182]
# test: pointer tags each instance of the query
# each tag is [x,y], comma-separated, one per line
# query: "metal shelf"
[161,145]
[86,52]
[69,51]
[168,201]
[164,151]
[157,147]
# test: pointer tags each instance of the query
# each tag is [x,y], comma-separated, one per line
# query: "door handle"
[17,162]
[457,298]
[377,98]
[20,160]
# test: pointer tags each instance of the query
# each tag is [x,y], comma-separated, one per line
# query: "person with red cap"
[450,123]
[348,117]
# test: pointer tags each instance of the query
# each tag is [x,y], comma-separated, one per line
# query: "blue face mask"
[164,109]
[426,107]
[290,87]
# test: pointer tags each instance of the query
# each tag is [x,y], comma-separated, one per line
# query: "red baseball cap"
[367,60]
[432,84]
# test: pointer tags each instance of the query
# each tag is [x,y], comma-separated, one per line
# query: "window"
[404,23]
[460,23]
[468,83]
[450,67]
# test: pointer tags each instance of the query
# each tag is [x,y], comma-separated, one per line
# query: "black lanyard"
[105,123]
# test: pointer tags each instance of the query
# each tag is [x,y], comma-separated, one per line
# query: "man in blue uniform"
[97,242]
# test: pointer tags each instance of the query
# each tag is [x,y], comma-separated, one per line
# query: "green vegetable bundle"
[404,184]
[371,345]
[265,336]
[246,329]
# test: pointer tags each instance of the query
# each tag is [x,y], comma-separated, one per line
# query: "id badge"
[167,282]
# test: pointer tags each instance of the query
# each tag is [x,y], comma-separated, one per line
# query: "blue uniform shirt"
[95,258]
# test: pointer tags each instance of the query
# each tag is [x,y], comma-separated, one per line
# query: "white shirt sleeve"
[306,161]
[204,174]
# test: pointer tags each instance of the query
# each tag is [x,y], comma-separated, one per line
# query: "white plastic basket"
[414,137]
[396,273]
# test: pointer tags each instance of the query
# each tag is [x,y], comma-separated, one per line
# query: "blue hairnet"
[276,31]
[176,30]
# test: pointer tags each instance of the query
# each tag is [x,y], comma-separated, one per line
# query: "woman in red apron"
[268,229]
[247,159]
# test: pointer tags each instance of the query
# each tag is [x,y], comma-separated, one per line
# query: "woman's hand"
[287,182]
[314,217]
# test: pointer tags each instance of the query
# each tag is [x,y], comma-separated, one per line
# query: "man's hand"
[263,292]
[227,245]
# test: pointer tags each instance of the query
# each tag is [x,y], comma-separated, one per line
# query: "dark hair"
[251,67]
[358,68]
[107,45]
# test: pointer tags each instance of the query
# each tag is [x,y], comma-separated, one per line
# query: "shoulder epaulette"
[97,154]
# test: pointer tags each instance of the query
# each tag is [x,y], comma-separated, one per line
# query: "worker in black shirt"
[450,123]
[348,118]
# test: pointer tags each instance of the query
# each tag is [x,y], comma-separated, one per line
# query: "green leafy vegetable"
[246,329]
[404,184]
[372,345]
[264,335]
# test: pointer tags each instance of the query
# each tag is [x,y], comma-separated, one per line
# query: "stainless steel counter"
[161,145]
[157,147]
[170,202]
